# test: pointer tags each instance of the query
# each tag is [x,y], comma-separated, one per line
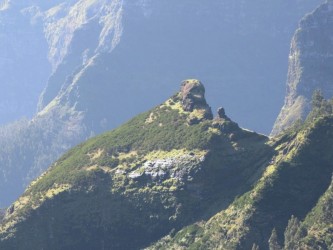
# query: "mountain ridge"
[170,150]
[157,177]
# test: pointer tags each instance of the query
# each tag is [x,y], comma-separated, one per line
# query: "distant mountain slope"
[153,44]
[180,177]
[28,146]
[310,66]
[37,37]
[44,39]
[23,63]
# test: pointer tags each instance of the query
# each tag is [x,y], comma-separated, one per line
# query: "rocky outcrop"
[193,97]
[310,66]
[179,168]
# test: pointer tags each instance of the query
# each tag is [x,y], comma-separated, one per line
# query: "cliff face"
[310,66]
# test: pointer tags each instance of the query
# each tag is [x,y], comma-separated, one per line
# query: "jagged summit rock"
[221,114]
[192,95]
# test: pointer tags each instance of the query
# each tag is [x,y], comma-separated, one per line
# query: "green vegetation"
[134,136]
[273,241]
[316,231]
[320,106]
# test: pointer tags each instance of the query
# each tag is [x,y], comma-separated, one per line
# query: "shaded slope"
[291,185]
[316,231]
[28,146]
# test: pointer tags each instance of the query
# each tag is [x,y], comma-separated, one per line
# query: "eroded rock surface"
[193,98]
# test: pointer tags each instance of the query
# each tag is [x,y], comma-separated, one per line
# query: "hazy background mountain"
[109,60]
[238,48]
[23,62]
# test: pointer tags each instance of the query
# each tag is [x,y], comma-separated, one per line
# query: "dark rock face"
[193,95]
[221,114]
[310,66]
[193,98]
